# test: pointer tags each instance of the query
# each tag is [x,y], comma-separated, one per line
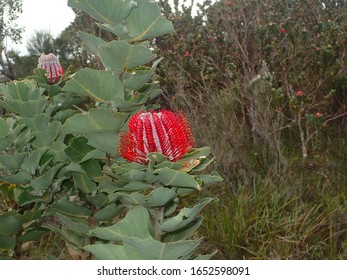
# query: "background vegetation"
[263,83]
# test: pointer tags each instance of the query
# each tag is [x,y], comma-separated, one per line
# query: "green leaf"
[25,109]
[37,123]
[7,242]
[24,91]
[31,215]
[135,224]
[197,153]
[69,236]
[24,196]
[175,178]
[10,224]
[78,228]
[184,232]
[57,150]
[78,149]
[91,42]
[84,183]
[65,100]
[133,104]
[92,168]
[151,249]
[100,85]
[138,79]
[44,182]
[145,22]
[23,139]
[47,137]
[134,175]
[62,116]
[94,121]
[4,127]
[135,186]
[119,56]
[32,235]
[18,178]
[210,179]
[11,162]
[109,252]
[40,76]
[108,213]
[186,216]
[98,199]
[72,209]
[31,162]
[106,11]
[104,141]
[94,154]
[157,198]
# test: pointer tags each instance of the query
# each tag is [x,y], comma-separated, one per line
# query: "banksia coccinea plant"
[156,131]
[52,66]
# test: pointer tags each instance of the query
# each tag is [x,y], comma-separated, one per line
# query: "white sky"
[43,15]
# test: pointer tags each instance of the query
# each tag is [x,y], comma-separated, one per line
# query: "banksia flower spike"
[156,131]
[52,66]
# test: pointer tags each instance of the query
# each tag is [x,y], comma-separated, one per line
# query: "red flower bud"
[162,131]
[299,93]
[187,54]
[318,114]
[52,66]
[282,30]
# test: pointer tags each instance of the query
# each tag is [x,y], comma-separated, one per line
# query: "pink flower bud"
[318,114]
[228,3]
[187,54]
[52,66]
[299,93]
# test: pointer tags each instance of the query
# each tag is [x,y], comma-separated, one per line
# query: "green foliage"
[58,149]
[248,61]
[236,70]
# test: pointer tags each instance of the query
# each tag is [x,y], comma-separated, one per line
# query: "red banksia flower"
[52,66]
[162,131]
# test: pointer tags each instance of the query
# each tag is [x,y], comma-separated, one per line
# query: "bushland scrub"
[264,85]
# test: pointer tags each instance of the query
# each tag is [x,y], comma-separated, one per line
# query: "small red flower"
[187,54]
[318,114]
[282,31]
[317,49]
[228,3]
[161,131]
[299,93]
[52,66]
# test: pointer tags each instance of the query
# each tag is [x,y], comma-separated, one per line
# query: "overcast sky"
[45,15]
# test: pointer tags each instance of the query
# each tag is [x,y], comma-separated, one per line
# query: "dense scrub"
[264,85]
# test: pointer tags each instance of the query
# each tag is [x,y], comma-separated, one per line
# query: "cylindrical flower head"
[52,66]
[163,131]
